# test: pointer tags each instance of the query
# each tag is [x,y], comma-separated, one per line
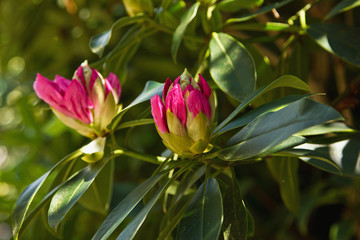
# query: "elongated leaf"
[204,216]
[343,6]
[125,206]
[339,158]
[180,30]
[65,198]
[269,107]
[135,123]
[235,5]
[26,197]
[262,10]
[269,130]
[151,88]
[99,42]
[340,40]
[284,81]
[285,171]
[231,66]
[327,128]
[97,197]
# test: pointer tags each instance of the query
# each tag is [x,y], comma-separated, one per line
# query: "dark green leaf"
[271,129]
[99,42]
[125,206]
[231,66]
[262,10]
[340,40]
[135,123]
[26,197]
[203,218]
[180,30]
[235,5]
[269,107]
[325,128]
[285,171]
[343,6]
[339,158]
[97,197]
[284,81]
[65,198]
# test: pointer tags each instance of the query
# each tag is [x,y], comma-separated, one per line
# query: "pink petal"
[114,83]
[62,84]
[188,88]
[80,74]
[93,77]
[175,102]
[197,102]
[159,113]
[47,90]
[177,80]
[166,87]
[204,86]
[78,103]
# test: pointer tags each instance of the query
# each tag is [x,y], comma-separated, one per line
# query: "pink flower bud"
[185,115]
[87,103]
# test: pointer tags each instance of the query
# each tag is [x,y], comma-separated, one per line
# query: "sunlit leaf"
[269,130]
[180,30]
[27,196]
[284,81]
[65,198]
[340,40]
[235,5]
[343,6]
[204,216]
[231,66]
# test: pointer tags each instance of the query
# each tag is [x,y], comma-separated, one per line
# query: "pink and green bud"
[184,116]
[87,103]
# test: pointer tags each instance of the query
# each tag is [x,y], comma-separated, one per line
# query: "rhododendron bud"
[87,103]
[184,116]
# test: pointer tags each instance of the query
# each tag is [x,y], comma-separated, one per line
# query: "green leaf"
[325,128]
[65,198]
[203,218]
[340,40]
[180,30]
[343,6]
[271,129]
[98,42]
[97,197]
[27,196]
[120,212]
[135,123]
[262,10]
[151,89]
[235,226]
[231,66]
[339,158]
[284,81]
[285,171]
[259,111]
[235,5]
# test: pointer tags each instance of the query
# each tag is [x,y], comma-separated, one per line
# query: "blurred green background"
[52,37]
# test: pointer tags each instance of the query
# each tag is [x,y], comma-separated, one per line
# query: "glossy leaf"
[284,81]
[27,196]
[339,158]
[151,88]
[97,197]
[204,216]
[337,127]
[285,171]
[269,107]
[180,30]
[271,129]
[65,198]
[343,6]
[231,66]
[120,212]
[340,40]
[262,10]
[99,42]
[235,5]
